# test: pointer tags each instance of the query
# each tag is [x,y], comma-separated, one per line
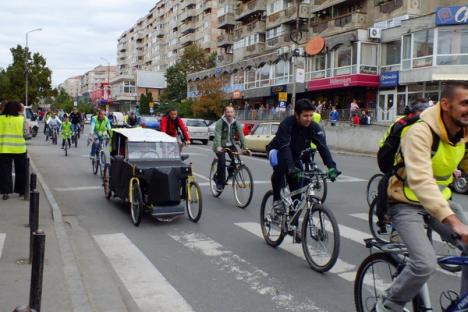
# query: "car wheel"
[205,142]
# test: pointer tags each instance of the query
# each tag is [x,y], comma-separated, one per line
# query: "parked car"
[150,122]
[198,130]
[32,125]
[261,136]
[211,130]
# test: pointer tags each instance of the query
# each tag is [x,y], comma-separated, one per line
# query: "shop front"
[387,101]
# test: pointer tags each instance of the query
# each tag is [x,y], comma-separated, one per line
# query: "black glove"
[333,173]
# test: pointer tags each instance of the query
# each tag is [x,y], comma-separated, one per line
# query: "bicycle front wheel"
[320,238]
[194,202]
[373,188]
[96,164]
[319,185]
[270,222]
[102,160]
[213,187]
[242,184]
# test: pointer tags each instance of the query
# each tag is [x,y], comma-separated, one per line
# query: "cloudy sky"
[75,33]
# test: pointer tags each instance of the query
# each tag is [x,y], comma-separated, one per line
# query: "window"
[368,58]
[263,74]
[391,55]
[152,150]
[281,72]
[250,78]
[406,55]
[238,77]
[452,47]
[274,129]
[260,130]
[316,66]
[423,42]
[276,6]
[343,60]
[275,32]
[195,123]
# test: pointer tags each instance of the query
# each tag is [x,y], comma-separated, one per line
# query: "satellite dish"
[315,45]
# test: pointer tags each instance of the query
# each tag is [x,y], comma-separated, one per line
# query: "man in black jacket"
[295,133]
[75,119]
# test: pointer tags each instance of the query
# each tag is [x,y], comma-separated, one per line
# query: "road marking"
[362,216]
[77,188]
[2,243]
[256,279]
[147,286]
[341,268]
[344,178]
[255,182]
[201,176]
[194,154]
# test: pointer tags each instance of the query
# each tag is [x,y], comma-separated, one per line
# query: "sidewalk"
[15,273]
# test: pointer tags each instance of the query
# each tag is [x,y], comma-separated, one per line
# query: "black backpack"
[386,161]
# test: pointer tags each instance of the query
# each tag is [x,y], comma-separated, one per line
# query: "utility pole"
[26,102]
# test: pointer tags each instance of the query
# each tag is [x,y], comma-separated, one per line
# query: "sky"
[75,33]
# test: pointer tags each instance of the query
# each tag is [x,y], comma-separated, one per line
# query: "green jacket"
[66,130]
[225,132]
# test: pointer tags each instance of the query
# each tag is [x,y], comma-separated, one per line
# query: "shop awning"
[358,80]
[443,77]
[326,5]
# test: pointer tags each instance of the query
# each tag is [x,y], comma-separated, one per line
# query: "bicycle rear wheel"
[96,163]
[374,276]
[136,204]
[270,222]
[320,238]
[194,202]
[242,183]
[381,233]
[213,176]
[373,187]
[102,160]
[65,147]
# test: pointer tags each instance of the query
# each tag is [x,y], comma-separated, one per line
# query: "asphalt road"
[220,263]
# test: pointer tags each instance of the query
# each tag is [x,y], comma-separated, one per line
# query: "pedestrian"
[355,120]
[363,121]
[320,107]
[12,149]
[431,103]
[353,107]
[334,116]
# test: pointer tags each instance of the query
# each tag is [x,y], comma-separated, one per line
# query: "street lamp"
[27,62]
[108,69]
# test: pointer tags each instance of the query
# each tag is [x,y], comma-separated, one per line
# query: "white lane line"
[201,176]
[362,216]
[255,182]
[194,154]
[344,178]
[255,278]
[343,269]
[148,287]
[77,188]
[2,243]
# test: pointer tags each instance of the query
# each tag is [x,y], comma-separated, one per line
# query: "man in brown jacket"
[422,188]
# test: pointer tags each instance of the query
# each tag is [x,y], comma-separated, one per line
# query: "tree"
[63,101]
[12,80]
[211,100]
[145,99]
[85,106]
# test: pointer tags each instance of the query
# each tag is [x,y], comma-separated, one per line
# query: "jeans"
[95,146]
[279,173]
[408,220]
[221,169]
[75,128]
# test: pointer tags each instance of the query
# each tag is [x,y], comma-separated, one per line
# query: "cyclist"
[132,120]
[423,188]
[53,122]
[75,119]
[100,126]
[67,131]
[174,126]
[226,129]
[295,133]
[316,117]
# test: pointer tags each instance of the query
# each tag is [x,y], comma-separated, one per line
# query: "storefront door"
[386,110]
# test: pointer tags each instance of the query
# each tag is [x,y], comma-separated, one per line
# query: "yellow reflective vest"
[12,135]
[316,118]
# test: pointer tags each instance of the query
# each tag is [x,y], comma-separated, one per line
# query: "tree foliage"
[145,99]
[12,79]
[85,106]
[62,101]
[211,100]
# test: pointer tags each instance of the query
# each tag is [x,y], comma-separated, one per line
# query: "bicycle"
[76,134]
[99,161]
[377,272]
[319,178]
[242,181]
[372,188]
[53,134]
[319,226]
[66,146]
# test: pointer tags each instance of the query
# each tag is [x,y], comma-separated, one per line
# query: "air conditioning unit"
[283,50]
[374,33]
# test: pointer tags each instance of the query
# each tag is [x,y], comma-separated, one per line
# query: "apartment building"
[93,79]
[366,42]
[72,86]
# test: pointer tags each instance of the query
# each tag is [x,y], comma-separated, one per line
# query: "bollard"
[37,270]
[27,186]
[33,220]
[33,182]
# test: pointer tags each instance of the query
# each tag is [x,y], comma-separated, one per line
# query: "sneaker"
[381,307]
[219,187]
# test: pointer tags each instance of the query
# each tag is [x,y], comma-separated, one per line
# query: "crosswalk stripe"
[256,279]
[2,242]
[341,268]
[148,287]
[77,188]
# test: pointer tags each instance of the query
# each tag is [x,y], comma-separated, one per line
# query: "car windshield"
[195,123]
[153,150]
[29,114]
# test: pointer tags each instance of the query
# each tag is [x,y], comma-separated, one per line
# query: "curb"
[76,290]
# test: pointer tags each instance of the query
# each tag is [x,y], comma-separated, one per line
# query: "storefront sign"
[300,75]
[282,96]
[455,15]
[389,79]
[357,80]
[277,89]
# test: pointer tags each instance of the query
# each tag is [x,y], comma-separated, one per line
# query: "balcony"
[245,10]
[225,40]
[351,20]
[277,42]
[187,39]
[248,29]
[319,27]
[254,49]
[159,32]
[288,15]
[188,26]
[224,59]
[140,34]
[226,21]
[187,3]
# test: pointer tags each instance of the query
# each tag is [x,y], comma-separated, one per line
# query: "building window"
[250,78]
[238,77]
[391,56]
[281,72]
[263,75]
[406,54]
[315,66]
[368,58]
[275,32]
[452,47]
[423,42]
[276,6]
[344,61]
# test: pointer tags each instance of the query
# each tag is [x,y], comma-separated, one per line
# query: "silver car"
[198,130]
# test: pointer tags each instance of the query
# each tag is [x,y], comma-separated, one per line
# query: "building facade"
[95,78]
[366,42]
[72,86]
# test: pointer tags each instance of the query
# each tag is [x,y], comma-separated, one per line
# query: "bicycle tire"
[321,235]
[103,162]
[236,185]
[76,140]
[194,217]
[213,187]
[96,164]
[263,225]
[323,183]
[65,147]
[136,204]
[372,187]
[106,183]
[360,278]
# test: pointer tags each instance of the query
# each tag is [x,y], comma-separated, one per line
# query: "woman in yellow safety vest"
[12,149]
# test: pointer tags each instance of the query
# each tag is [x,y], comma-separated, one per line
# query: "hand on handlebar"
[246,152]
[333,173]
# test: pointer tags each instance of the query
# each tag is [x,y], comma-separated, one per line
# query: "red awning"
[358,80]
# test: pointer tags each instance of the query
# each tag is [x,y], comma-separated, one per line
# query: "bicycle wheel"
[106,182]
[320,238]
[381,233]
[319,185]
[103,162]
[194,202]
[373,187]
[442,249]
[96,163]
[242,183]
[213,169]
[136,204]
[270,222]
[76,140]
[374,276]
[65,148]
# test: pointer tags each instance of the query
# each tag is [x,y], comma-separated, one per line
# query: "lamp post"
[26,65]
[108,70]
